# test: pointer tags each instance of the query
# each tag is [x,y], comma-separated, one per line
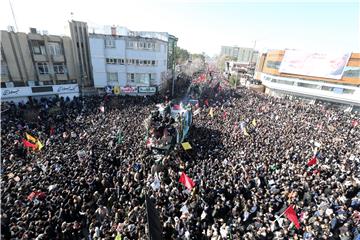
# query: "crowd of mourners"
[243,182]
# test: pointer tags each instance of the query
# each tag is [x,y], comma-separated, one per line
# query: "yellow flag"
[186,146]
[211,113]
[30,138]
[39,144]
[254,122]
[245,132]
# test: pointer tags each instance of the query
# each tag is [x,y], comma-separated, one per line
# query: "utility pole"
[12,11]
[173,67]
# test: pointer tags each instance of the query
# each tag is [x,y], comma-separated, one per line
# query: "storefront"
[22,94]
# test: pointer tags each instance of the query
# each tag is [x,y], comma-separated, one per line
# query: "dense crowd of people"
[86,184]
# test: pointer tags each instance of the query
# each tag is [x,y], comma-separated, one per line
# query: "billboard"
[314,64]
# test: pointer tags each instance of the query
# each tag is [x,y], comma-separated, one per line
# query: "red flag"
[312,161]
[184,179]
[224,114]
[52,131]
[38,194]
[28,144]
[291,215]
[206,102]
[176,107]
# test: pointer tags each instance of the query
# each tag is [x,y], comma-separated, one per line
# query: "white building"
[138,60]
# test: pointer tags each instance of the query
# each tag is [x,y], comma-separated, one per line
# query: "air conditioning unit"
[33,30]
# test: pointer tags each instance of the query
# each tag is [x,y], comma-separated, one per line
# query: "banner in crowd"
[314,64]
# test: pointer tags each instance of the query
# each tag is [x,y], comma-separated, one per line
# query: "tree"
[182,55]
[220,61]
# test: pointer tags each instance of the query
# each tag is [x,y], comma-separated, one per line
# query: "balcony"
[40,58]
[33,36]
[45,77]
[61,77]
[58,58]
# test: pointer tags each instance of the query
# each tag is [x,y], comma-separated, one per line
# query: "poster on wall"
[314,64]
[129,89]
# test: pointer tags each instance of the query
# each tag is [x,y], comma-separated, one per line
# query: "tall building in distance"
[36,65]
[138,61]
[241,54]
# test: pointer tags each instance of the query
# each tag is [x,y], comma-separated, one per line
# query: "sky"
[205,25]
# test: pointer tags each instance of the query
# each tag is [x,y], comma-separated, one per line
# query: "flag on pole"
[312,161]
[29,144]
[253,122]
[39,145]
[120,139]
[206,102]
[186,145]
[245,132]
[291,215]
[155,229]
[188,182]
[30,138]
[224,114]
[211,112]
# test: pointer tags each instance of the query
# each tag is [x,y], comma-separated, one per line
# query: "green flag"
[120,138]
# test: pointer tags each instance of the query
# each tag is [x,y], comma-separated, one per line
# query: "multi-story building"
[36,65]
[81,47]
[244,55]
[123,58]
[333,77]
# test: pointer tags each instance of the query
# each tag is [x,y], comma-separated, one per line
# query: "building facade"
[343,89]
[35,65]
[241,54]
[136,61]
[81,48]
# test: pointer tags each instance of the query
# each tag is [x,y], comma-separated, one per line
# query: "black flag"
[155,229]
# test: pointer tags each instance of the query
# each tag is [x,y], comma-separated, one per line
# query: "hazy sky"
[205,25]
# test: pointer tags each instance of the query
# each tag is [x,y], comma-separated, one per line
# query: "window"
[110,60]
[153,62]
[348,91]
[38,47]
[351,72]
[54,48]
[307,85]
[141,62]
[132,61]
[112,77]
[109,43]
[131,77]
[59,68]
[43,68]
[130,44]
[42,89]
[122,61]
[273,64]
[19,84]
[137,61]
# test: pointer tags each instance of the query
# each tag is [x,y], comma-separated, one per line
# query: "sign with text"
[147,89]
[314,64]
[128,89]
